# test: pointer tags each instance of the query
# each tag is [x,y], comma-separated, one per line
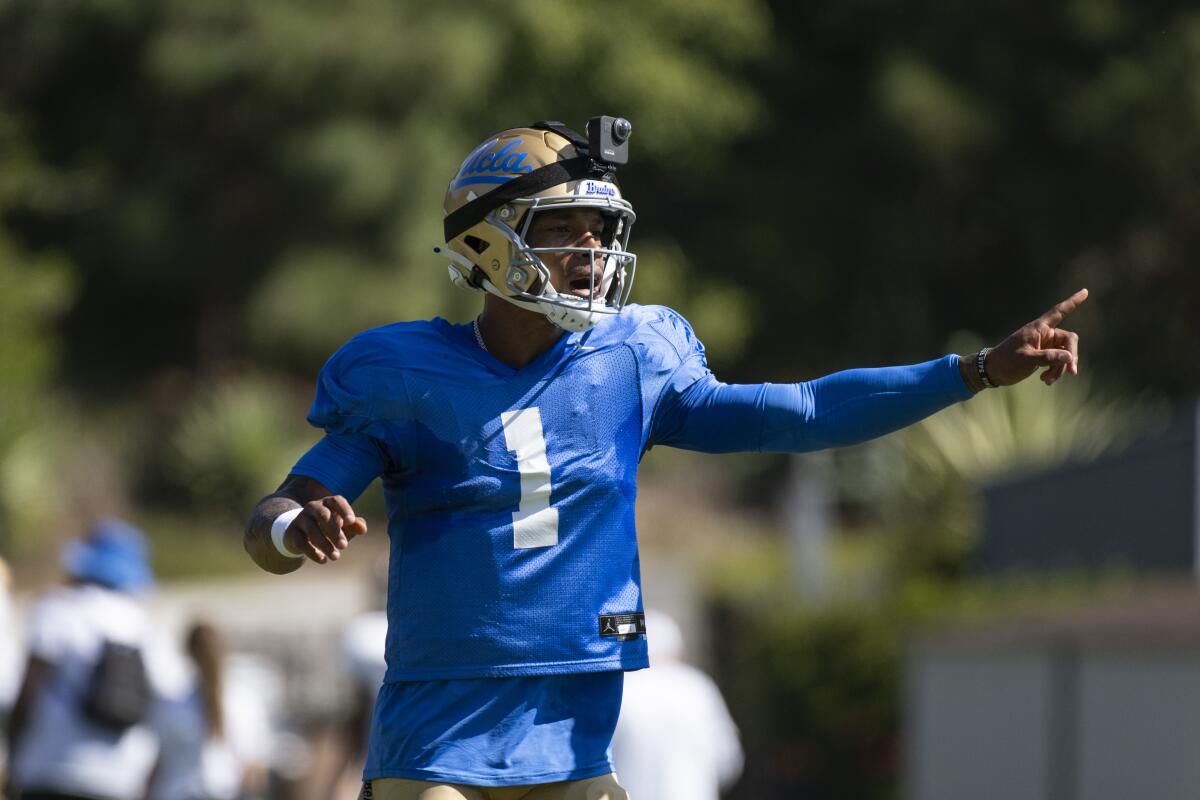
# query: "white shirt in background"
[61,749]
[675,739]
[193,764]
[10,647]
[363,644]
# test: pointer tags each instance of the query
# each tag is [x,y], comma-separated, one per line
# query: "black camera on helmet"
[608,139]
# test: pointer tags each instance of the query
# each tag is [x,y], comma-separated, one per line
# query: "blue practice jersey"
[510,492]
[510,496]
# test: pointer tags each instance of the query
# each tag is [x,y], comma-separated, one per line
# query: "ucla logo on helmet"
[597,189]
[492,166]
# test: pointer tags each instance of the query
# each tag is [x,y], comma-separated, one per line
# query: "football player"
[508,450]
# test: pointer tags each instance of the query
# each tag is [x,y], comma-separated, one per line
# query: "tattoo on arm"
[295,491]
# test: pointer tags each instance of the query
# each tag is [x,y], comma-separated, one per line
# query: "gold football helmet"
[490,205]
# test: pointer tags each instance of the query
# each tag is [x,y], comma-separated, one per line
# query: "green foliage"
[943,122]
[31,471]
[275,155]
[33,292]
[193,157]
[244,186]
[940,166]
[36,287]
[826,685]
[721,310]
[924,481]
[1016,429]
[254,182]
[294,319]
[236,443]
[224,185]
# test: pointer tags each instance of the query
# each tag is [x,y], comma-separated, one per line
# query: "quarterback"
[508,451]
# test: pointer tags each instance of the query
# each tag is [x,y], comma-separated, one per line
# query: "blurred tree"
[922,484]
[234,441]
[940,166]
[35,288]
[818,186]
[244,186]
[268,175]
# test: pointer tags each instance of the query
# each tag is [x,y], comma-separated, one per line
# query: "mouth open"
[582,287]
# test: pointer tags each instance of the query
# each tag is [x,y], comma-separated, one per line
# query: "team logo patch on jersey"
[625,627]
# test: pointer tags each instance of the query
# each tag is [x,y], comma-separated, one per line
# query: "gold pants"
[604,787]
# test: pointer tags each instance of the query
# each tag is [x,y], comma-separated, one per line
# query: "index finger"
[1061,310]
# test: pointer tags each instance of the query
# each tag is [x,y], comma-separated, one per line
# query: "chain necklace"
[478,335]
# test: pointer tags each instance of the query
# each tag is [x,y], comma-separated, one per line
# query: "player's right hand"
[323,529]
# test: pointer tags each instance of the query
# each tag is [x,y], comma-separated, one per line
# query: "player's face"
[570,273]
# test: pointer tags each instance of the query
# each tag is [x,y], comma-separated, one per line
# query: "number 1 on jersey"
[535,523]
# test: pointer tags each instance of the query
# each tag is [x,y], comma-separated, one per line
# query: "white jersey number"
[535,523]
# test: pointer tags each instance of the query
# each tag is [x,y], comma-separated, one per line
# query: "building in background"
[1098,703]
[1135,508]
[1101,703]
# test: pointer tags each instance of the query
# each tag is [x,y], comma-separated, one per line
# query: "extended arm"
[856,405]
[839,409]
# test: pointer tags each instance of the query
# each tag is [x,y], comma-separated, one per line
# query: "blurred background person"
[214,739]
[338,749]
[9,659]
[362,651]
[79,726]
[675,739]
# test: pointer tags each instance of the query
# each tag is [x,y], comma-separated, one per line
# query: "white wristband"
[279,527]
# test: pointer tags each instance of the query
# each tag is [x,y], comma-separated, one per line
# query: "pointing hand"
[1040,343]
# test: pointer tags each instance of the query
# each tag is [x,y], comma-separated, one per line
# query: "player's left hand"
[1041,343]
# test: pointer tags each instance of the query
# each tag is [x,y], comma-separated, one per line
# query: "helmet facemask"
[528,279]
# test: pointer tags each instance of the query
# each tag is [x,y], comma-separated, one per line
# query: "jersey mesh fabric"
[421,405]
[425,406]
[475,603]
[464,600]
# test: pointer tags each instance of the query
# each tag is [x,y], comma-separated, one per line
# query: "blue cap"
[113,554]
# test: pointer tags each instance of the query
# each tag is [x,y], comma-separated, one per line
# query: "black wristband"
[981,370]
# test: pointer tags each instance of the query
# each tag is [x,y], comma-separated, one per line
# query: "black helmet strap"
[570,134]
[542,178]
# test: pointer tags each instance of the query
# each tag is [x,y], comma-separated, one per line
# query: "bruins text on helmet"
[490,205]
